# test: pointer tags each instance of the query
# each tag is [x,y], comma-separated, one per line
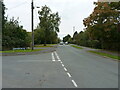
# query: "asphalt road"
[67,67]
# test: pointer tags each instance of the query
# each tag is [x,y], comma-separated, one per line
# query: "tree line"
[102,28]
[14,36]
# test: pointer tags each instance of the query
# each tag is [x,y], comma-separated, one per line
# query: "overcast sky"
[72,12]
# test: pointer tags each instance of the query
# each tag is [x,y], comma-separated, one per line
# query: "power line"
[23,3]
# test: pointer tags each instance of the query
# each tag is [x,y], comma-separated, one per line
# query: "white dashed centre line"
[74,83]
[69,75]
[65,69]
[59,60]
[63,65]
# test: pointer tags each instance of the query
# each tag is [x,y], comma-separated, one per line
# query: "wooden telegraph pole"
[32,24]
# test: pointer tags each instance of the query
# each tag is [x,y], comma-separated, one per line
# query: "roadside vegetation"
[105,54]
[78,47]
[47,29]
[15,36]
[47,45]
[27,50]
[102,28]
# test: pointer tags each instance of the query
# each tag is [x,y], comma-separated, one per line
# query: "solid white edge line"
[74,83]
[69,74]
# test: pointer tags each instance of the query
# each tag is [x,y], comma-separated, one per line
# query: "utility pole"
[32,24]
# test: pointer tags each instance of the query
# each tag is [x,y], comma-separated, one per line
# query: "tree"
[0,25]
[53,38]
[13,35]
[75,37]
[39,36]
[59,40]
[66,38]
[102,24]
[2,21]
[49,22]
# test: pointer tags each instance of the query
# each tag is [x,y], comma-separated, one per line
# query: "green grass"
[28,50]
[76,47]
[48,45]
[51,44]
[105,54]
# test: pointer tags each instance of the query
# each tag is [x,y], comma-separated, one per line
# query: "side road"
[45,50]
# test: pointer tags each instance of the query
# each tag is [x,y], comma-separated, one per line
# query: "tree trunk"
[45,43]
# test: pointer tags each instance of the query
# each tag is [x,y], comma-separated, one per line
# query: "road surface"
[67,67]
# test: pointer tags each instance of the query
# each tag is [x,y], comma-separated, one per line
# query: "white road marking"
[53,58]
[57,56]
[74,83]
[65,69]
[63,65]
[61,62]
[69,74]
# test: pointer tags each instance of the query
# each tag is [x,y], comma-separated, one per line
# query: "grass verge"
[76,47]
[51,44]
[27,50]
[105,54]
[48,45]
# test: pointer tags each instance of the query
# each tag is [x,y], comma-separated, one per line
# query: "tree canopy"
[48,27]
[102,24]
[102,27]
[67,38]
[13,34]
